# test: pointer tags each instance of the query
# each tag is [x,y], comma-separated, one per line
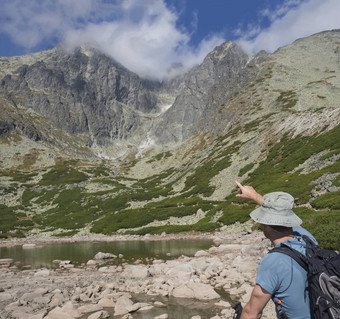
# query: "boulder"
[106,302]
[201,253]
[58,313]
[136,271]
[182,272]
[99,315]
[89,308]
[92,262]
[6,261]
[42,273]
[252,250]
[196,290]
[122,306]
[71,309]
[223,304]
[101,256]
[5,296]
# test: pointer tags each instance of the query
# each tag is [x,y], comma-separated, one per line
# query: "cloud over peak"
[145,36]
[141,35]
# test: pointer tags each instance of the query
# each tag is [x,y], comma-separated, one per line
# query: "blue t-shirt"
[285,279]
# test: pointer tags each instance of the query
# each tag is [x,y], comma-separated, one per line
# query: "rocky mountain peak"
[104,107]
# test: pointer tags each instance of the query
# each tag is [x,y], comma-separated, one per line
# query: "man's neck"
[281,239]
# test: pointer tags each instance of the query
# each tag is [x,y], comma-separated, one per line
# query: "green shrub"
[275,173]
[8,218]
[323,225]
[62,175]
[246,169]
[47,196]
[24,223]
[28,195]
[233,213]
[199,181]
[328,200]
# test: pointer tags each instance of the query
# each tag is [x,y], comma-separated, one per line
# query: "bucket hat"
[276,210]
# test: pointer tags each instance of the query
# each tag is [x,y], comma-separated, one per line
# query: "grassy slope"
[60,199]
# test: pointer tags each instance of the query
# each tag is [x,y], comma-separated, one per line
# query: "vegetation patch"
[64,203]
[63,174]
[246,169]
[276,172]
[287,99]
[199,181]
[324,225]
[160,156]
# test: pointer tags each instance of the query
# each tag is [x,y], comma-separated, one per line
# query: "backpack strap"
[311,247]
[297,256]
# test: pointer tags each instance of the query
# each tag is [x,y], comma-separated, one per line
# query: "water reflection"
[80,252]
[176,307]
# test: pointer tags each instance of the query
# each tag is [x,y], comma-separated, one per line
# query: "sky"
[149,37]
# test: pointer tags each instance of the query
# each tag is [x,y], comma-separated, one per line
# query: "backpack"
[323,276]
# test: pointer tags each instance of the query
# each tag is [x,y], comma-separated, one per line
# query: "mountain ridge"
[132,154]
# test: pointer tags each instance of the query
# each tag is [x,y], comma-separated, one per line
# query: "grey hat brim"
[268,216]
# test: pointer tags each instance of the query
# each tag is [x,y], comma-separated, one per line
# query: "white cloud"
[146,39]
[144,35]
[294,19]
[141,35]
[30,22]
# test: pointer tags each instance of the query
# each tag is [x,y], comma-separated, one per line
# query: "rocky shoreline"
[221,276]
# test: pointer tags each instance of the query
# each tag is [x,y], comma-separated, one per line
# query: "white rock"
[196,290]
[201,253]
[58,313]
[92,262]
[28,246]
[89,308]
[6,261]
[106,302]
[252,250]
[146,308]
[223,304]
[5,296]
[182,272]
[71,309]
[122,305]
[42,273]
[99,315]
[136,271]
[159,304]
[100,256]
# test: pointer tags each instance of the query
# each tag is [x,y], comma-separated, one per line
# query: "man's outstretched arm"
[248,192]
[258,300]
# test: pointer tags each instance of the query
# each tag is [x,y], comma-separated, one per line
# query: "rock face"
[79,92]
[88,99]
[222,66]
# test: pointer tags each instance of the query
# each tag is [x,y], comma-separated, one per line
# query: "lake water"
[80,252]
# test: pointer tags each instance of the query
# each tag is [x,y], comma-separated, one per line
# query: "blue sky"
[148,36]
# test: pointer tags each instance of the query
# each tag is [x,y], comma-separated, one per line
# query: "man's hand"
[248,192]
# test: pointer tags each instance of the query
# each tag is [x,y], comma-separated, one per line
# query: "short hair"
[282,229]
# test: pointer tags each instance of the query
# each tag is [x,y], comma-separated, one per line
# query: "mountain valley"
[89,147]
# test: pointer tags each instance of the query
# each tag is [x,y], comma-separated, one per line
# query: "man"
[278,275]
